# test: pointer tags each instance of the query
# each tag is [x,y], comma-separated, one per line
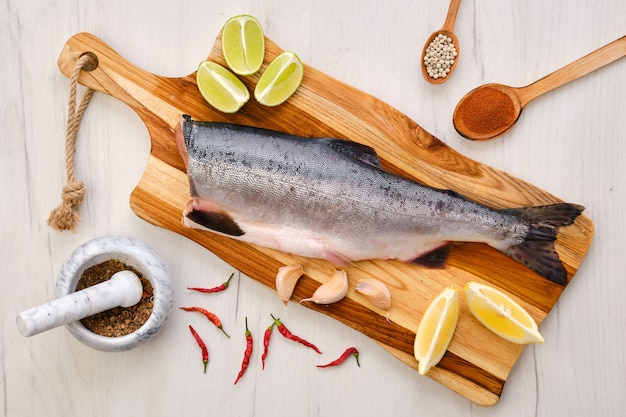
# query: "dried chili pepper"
[212,317]
[343,357]
[246,354]
[219,288]
[205,351]
[288,335]
[266,343]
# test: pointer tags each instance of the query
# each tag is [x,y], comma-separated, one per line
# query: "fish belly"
[340,248]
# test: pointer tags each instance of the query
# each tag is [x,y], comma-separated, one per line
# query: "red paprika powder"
[486,110]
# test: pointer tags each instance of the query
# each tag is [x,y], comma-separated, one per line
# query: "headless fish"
[331,199]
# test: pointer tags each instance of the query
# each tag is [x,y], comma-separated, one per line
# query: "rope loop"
[65,217]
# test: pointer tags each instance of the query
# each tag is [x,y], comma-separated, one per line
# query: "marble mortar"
[134,253]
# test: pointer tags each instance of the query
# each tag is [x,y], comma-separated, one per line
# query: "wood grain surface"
[477,363]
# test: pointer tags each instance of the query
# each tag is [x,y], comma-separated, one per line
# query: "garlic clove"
[332,290]
[286,280]
[375,291]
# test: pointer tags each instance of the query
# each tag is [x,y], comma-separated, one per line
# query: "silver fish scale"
[307,184]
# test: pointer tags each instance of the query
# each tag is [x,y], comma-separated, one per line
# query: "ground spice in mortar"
[487,110]
[118,321]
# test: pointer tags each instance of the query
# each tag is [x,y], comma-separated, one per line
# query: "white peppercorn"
[440,56]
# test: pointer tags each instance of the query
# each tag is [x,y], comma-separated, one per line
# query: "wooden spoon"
[448,30]
[492,109]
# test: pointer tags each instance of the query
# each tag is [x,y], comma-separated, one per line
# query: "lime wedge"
[243,44]
[220,87]
[280,80]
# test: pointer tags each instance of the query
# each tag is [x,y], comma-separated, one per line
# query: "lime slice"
[220,87]
[280,80]
[243,44]
[436,329]
[501,314]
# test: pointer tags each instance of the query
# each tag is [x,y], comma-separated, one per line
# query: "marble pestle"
[124,289]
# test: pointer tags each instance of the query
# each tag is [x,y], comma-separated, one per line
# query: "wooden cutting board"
[477,363]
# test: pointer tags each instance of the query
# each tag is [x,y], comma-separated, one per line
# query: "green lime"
[280,80]
[220,87]
[243,44]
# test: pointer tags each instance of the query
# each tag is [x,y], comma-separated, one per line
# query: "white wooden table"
[570,142]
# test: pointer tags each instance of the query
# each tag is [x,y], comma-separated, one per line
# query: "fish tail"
[537,250]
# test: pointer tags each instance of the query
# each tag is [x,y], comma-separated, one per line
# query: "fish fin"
[453,194]
[537,250]
[355,150]
[551,216]
[434,259]
[214,220]
[337,258]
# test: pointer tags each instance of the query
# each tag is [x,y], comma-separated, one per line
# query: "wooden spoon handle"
[451,16]
[583,66]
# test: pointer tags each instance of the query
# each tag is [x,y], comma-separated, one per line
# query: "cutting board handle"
[84,43]
[144,92]
[154,98]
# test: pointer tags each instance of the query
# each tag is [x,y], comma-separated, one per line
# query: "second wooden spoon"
[492,109]
[447,30]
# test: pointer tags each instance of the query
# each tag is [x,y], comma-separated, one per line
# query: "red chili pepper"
[288,335]
[212,317]
[343,357]
[219,288]
[246,354]
[205,351]
[266,343]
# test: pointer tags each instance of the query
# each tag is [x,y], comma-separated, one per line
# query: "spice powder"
[118,321]
[487,111]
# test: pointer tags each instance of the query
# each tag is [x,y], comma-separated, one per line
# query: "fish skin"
[329,198]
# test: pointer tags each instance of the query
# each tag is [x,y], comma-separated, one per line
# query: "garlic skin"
[333,290]
[286,280]
[375,291]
